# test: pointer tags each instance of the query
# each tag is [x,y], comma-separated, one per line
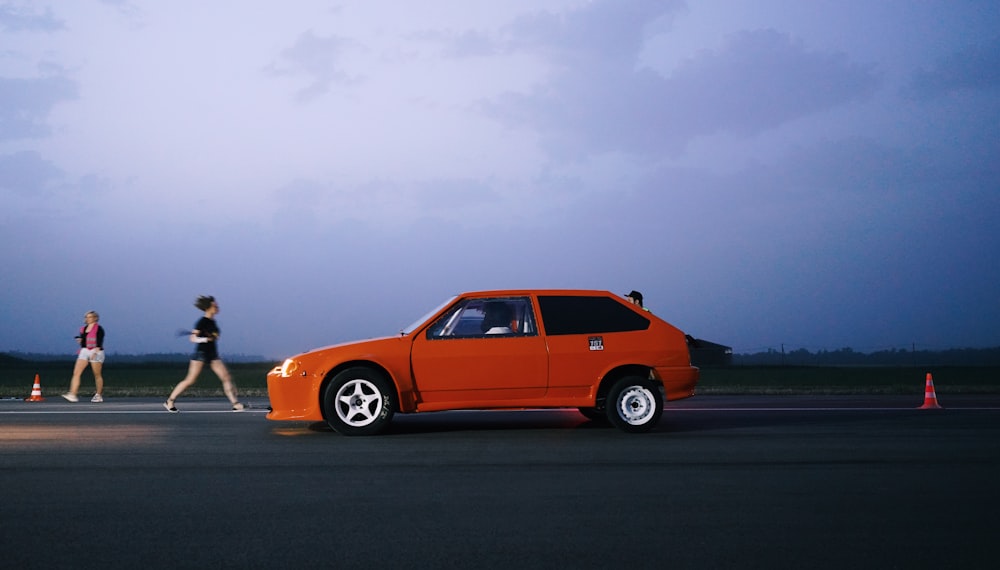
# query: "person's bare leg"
[228,387]
[98,378]
[74,383]
[194,369]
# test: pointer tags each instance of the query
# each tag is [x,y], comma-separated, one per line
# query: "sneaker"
[238,407]
[97,399]
[71,397]
[170,407]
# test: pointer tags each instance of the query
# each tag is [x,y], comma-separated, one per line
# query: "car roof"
[516,292]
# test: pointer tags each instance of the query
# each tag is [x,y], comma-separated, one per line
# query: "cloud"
[974,68]
[467,43]
[318,58]
[26,173]
[759,80]
[471,44]
[384,204]
[25,18]
[601,31]
[37,191]
[455,195]
[25,104]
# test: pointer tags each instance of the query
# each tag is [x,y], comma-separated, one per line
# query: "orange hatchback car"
[589,350]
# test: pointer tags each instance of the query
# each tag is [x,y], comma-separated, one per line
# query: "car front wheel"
[359,401]
[634,404]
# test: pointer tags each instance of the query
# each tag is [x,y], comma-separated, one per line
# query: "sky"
[770,174]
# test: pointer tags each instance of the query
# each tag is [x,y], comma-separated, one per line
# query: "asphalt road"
[723,482]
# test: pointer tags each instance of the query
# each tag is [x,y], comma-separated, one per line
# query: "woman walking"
[205,336]
[91,339]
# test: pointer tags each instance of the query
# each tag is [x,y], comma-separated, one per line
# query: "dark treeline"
[771,357]
[892,357]
[115,358]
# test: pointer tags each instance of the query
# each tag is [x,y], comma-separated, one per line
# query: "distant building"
[705,353]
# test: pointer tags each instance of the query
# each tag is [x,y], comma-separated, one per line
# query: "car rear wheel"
[634,404]
[359,401]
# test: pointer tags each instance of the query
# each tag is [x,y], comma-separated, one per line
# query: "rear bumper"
[678,382]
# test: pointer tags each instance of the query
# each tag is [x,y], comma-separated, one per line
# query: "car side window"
[491,317]
[588,315]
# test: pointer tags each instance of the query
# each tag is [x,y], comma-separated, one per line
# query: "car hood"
[354,348]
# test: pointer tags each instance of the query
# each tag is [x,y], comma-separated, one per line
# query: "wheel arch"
[330,374]
[615,374]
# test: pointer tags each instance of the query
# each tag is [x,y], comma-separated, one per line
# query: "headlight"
[288,368]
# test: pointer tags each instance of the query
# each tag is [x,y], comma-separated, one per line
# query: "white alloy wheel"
[358,402]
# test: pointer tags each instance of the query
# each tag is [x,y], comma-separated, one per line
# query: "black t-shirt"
[207,327]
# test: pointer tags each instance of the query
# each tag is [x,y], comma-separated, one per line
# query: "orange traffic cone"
[36,391]
[930,398]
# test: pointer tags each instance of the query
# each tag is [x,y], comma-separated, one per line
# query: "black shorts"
[205,355]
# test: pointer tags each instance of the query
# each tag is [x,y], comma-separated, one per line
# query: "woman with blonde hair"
[204,335]
[91,339]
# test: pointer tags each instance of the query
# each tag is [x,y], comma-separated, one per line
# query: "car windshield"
[426,316]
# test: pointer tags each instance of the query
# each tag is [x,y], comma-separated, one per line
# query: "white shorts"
[91,355]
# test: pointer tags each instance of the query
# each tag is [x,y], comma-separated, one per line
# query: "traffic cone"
[930,398]
[36,391]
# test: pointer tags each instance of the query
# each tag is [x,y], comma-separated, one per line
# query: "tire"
[596,415]
[359,401]
[634,404]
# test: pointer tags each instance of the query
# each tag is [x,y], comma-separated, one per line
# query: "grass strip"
[158,379]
